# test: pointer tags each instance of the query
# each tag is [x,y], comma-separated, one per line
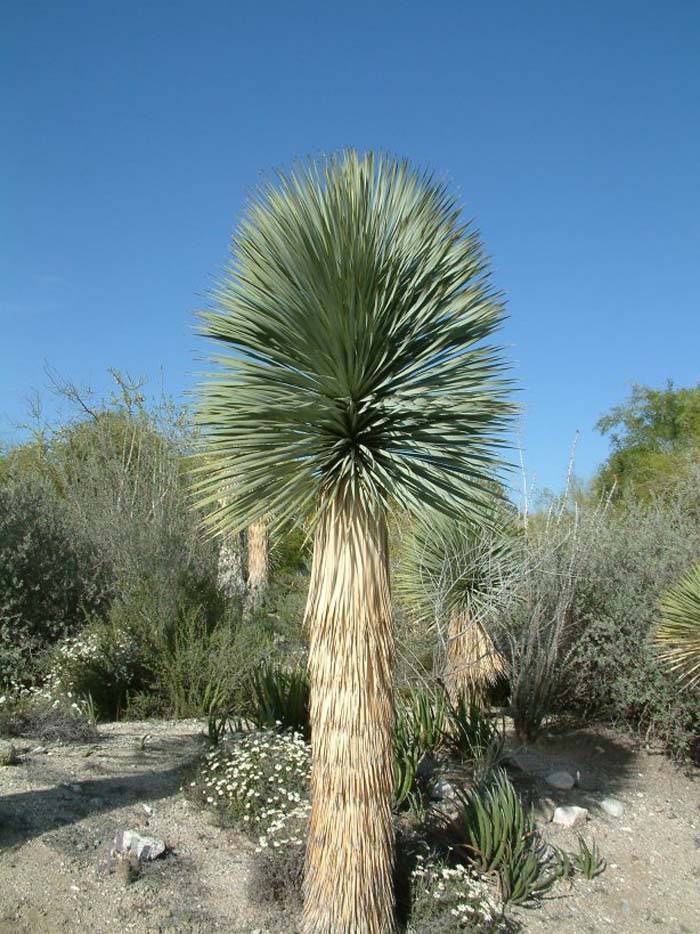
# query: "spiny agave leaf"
[679,632]
[352,318]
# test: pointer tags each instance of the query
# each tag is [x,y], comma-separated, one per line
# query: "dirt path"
[60,811]
[652,882]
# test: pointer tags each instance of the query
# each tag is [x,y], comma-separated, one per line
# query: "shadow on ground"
[28,814]
[600,761]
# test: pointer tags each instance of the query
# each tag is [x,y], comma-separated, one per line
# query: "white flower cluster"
[58,688]
[261,780]
[48,694]
[87,648]
[460,891]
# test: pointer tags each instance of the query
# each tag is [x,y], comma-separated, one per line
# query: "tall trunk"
[258,564]
[473,664]
[348,883]
[231,569]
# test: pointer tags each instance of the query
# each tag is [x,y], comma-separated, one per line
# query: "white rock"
[570,816]
[8,753]
[441,790]
[613,807]
[128,841]
[564,781]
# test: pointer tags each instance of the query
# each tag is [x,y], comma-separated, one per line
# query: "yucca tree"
[452,571]
[258,563]
[354,312]
[678,634]
[231,576]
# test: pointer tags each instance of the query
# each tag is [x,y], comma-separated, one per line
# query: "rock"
[562,781]
[570,816]
[613,807]
[544,809]
[39,751]
[8,753]
[441,790]
[426,768]
[143,848]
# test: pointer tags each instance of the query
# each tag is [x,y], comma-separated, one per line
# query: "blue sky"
[134,131]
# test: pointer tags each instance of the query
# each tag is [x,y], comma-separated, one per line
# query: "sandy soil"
[652,882]
[60,810]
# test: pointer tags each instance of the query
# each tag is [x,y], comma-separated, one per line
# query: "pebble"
[613,807]
[563,781]
[128,841]
[570,816]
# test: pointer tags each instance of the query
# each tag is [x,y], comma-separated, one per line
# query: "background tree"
[654,434]
[354,311]
[258,563]
[452,571]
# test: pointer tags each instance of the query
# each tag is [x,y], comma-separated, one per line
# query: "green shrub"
[50,577]
[614,670]
[419,730]
[102,663]
[279,699]
[473,737]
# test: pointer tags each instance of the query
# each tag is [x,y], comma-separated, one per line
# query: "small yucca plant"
[678,634]
[451,572]
[280,699]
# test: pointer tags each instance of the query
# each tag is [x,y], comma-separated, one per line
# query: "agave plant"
[355,378]
[588,861]
[495,833]
[451,571]
[678,634]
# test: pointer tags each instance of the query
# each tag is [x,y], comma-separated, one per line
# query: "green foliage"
[534,623]
[496,834]
[679,631]
[50,576]
[103,662]
[651,434]
[614,671]
[425,717]
[351,323]
[279,699]
[449,565]
[588,861]
[474,737]
[419,729]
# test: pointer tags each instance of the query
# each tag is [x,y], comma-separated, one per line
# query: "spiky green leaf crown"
[454,565]
[354,312]
[679,632]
